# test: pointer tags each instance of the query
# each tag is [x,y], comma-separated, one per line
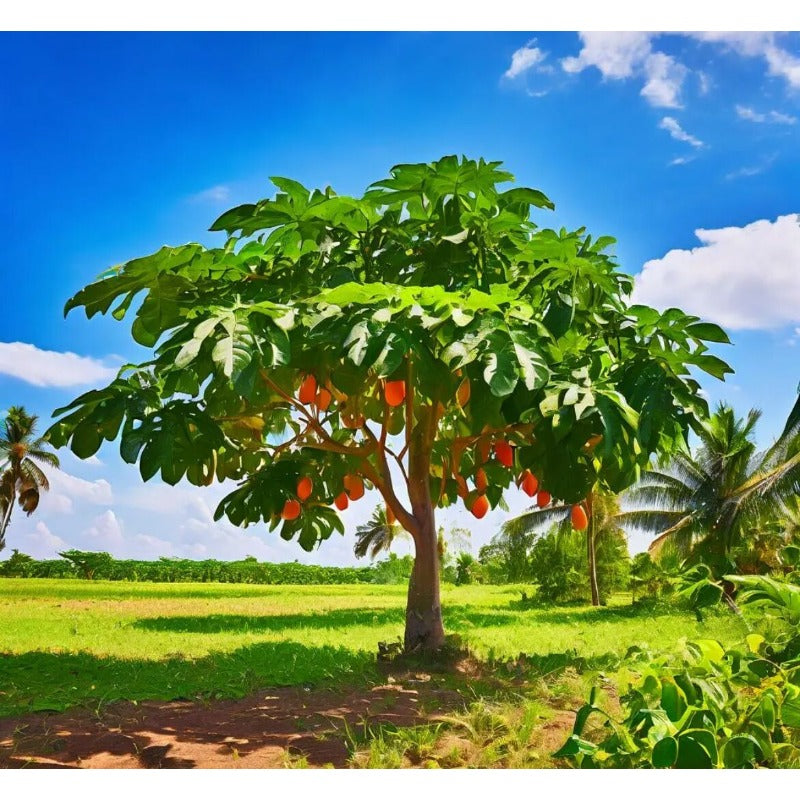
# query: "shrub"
[559,565]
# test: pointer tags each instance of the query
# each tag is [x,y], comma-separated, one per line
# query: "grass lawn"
[67,643]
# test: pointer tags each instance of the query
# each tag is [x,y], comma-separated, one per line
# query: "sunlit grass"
[65,642]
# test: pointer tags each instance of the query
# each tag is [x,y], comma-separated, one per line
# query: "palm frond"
[535,520]
[44,456]
[651,520]
[33,475]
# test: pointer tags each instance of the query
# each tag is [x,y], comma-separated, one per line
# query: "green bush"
[709,707]
[559,565]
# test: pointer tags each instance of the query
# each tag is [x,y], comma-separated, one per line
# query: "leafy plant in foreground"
[711,707]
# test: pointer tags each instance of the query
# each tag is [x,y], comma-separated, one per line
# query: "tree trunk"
[424,629]
[590,550]
[4,522]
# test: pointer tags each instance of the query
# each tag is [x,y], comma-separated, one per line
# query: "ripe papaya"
[504,453]
[578,518]
[341,502]
[395,392]
[304,488]
[323,399]
[480,507]
[308,390]
[529,484]
[543,499]
[291,509]
[481,481]
[354,487]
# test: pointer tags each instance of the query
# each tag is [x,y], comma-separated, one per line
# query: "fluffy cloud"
[631,55]
[758,44]
[672,126]
[616,55]
[49,367]
[665,77]
[106,532]
[742,278]
[66,487]
[41,542]
[523,59]
[626,55]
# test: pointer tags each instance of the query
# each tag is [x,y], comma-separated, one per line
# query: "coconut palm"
[22,479]
[602,509]
[706,503]
[377,534]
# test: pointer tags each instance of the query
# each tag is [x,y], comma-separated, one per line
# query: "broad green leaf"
[665,753]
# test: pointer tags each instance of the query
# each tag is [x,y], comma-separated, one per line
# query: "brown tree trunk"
[424,629]
[590,549]
[5,520]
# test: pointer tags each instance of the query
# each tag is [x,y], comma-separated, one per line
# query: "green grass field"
[86,643]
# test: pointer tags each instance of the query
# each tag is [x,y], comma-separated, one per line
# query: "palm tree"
[708,502]
[377,534]
[602,508]
[21,479]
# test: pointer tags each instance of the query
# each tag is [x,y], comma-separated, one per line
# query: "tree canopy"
[437,321]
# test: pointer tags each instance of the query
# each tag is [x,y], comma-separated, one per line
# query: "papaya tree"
[426,339]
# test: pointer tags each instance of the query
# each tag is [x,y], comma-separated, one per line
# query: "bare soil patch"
[261,731]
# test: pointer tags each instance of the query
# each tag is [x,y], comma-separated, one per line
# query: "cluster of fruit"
[527,481]
[353,490]
[394,393]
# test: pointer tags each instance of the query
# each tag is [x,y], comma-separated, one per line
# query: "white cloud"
[616,55]
[783,64]
[214,194]
[66,488]
[106,532]
[672,126]
[523,59]
[758,44]
[680,160]
[665,77]
[49,367]
[632,55]
[741,278]
[41,542]
[626,55]
[744,112]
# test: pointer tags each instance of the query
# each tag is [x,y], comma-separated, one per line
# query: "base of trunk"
[424,630]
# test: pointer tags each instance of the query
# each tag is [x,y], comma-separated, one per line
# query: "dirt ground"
[267,730]
[263,730]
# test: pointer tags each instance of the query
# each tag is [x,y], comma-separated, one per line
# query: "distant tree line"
[103,566]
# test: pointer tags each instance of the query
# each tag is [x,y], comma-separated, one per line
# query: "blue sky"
[684,147]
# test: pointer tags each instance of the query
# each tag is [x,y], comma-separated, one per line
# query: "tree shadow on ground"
[365,617]
[240,623]
[52,681]
[518,613]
